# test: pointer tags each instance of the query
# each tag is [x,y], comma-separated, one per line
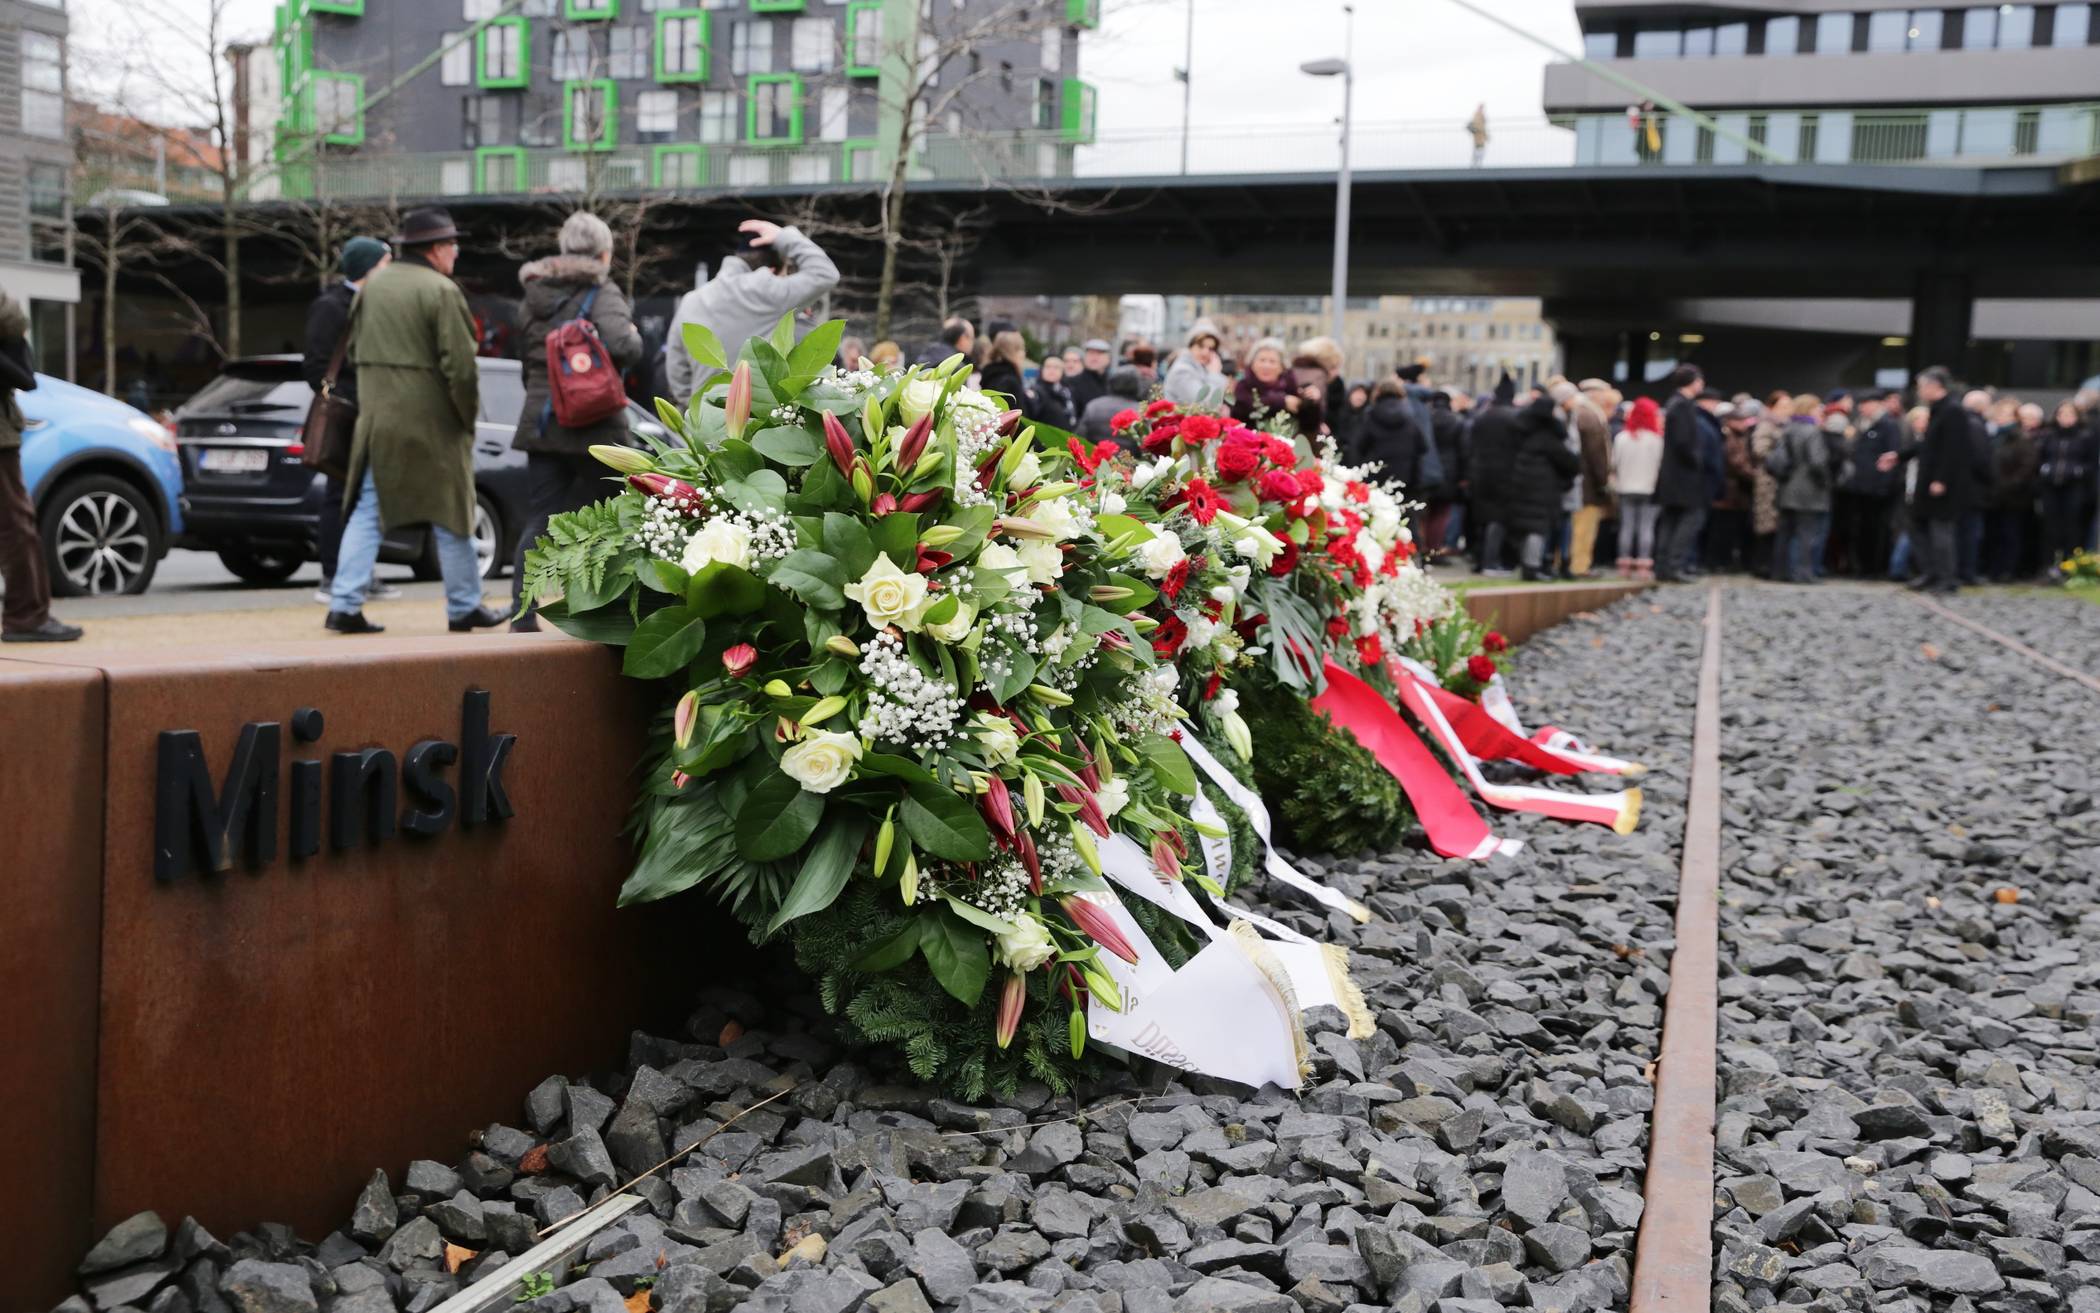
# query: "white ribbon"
[1257,811]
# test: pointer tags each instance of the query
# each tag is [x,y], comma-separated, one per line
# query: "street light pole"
[1187,74]
[1347,72]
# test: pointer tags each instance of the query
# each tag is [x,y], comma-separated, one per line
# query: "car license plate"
[233,460]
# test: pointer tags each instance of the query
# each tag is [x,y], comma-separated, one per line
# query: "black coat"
[1003,376]
[1543,470]
[1389,436]
[1348,426]
[1450,429]
[1681,482]
[1868,479]
[2067,459]
[1053,405]
[1946,456]
[1085,386]
[1490,455]
[326,319]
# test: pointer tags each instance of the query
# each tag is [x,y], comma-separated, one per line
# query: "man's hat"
[1097,344]
[358,257]
[426,226]
[1410,373]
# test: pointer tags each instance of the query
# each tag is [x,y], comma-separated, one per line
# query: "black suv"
[247,496]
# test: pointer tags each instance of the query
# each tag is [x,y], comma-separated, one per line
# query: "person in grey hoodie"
[774,270]
[1808,463]
[1195,378]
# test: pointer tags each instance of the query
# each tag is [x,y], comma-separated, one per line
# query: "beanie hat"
[358,257]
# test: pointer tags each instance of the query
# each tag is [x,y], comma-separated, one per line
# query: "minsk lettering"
[196,829]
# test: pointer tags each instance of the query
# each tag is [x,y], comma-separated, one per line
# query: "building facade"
[509,97]
[35,161]
[1834,81]
[1465,342]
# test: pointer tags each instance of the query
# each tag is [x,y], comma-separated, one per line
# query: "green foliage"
[575,558]
[1246,844]
[1326,792]
[534,1285]
[1445,645]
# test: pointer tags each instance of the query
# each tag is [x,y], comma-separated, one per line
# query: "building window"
[1658,43]
[539,8]
[590,10]
[864,38]
[860,161]
[47,191]
[1600,45]
[804,170]
[476,10]
[2015,27]
[456,69]
[1732,39]
[656,114]
[809,45]
[627,52]
[1044,113]
[483,121]
[1053,49]
[2073,23]
[1979,29]
[773,109]
[682,166]
[590,115]
[831,113]
[1833,34]
[1698,42]
[574,57]
[43,85]
[1782,36]
[718,116]
[681,46]
[503,45]
[339,106]
[751,48]
[753,170]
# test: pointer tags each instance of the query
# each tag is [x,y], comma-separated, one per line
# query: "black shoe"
[478,618]
[1532,576]
[352,622]
[1922,584]
[53,630]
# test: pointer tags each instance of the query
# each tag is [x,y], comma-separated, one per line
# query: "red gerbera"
[1481,667]
[1203,501]
[1278,486]
[1157,408]
[1200,428]
[1167,639]
[1122,420]
[1495,642]
[1176,580]
[1369,650]
[1286,560]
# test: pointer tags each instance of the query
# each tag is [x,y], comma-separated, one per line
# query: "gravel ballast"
[1482,1150]
[1910,1113]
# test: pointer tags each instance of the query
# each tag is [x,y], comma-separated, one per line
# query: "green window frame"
[664,44]
[354,136]
[347,8]
[1078,103]
[522,74]
[778,6]
[855,12]
[678,150]
[590,11]
[751,86]
[516,157]
[1083,13]
[609,130]
[850,147]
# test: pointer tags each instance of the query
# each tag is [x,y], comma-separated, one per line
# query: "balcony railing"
[1993,134]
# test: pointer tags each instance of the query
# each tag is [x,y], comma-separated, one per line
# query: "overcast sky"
[1422,65]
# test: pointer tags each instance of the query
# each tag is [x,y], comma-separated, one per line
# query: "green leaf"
[897,537]
[783,335]
[663,643]
[946,824]
[719,589]
[813,577]
[1113,527]
[704,347]
[975,523]
[789,446]
[957,954]
[724,738]
[824,873]
[734,458]
[807,358]
[1141,594]
[586,594]
[767,362]
[777,818]
[610,625]
[1169,763]
[978,917]
[757,492]
[1020,673]
[893,952]
[903,768]
[664,576]
[847,538]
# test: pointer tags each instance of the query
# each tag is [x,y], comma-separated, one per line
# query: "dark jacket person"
[560,475]
[1388,435]
[26,616]
[327,321]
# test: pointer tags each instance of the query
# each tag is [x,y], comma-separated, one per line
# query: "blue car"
[107,486]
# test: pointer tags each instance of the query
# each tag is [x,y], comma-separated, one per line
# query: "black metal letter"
[362,796]
[427,786]
[482,758]
[192,829]
[306,807]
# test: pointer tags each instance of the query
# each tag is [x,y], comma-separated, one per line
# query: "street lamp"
[1327,68]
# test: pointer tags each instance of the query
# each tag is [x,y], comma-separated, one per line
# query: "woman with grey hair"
[559,472]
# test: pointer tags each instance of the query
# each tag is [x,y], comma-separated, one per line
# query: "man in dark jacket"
[27,615]
[1491,452]
[1543,469]
[2016,459]
[1869,492]
[326,320]
[1681,485]
[1095,422]
[1945,472]
[560,474]
[1088,383]
[1389,436]
[1969,538]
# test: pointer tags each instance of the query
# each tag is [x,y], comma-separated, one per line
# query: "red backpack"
[583,387]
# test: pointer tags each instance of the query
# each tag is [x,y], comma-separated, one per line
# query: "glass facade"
[1843,136]
[1886,31]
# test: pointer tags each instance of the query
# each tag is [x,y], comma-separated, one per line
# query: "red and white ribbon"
[1549,743]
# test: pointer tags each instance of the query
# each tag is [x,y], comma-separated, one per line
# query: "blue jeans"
[1799,533]
[359,552]
[1899,558]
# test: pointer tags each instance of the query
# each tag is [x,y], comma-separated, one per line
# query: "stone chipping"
[1482,1150]
[1909,1114]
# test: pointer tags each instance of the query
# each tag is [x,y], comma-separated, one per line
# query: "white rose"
[918,397]
[1385,522]
[1044,560]
[1201,630]
[1113,796]
[1056,516]
[956,627]
[1026,946]
[1026,474]
[996,737]
[718,543]
[1223,595]
[1228,699]
[1112,503]
[822,760]
[1368,548]
[890,596]
[1000,557]
[1160,554]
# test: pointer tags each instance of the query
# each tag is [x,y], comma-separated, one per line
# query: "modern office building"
[1466,342]
[510,97]
[35,159]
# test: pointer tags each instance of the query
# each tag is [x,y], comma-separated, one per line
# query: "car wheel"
[101,536]
[261,565]
[488,537]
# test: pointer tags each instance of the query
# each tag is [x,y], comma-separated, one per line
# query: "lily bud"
[842,645]
[940,535]
[871,415]
[1031,861]
[1108,593]
[947,367]
[1238,735]
[1008,422]
[679,779]
[737,662]
[885,839]
[824,709]
[1098,926]
[777,688]
[1051,490]
[927,464]
[1075,1033]
[1163,859]
[624,459]
[1044,693]
[1084,844]
[914,443]
[1089,808]
[883,504]
[1011,996]
[676,491]
[736,407]
[1020,526]
[1032,798]
[683,718]
[930,560]
[839,443]
[863,483]
[1090,771]
[997,804]
[908,883]
[1102,987]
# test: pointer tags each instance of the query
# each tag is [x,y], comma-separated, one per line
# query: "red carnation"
[1122,420]
[1286,560]
[1310,483]
[1159,407]
[1337,628]
[1203,501]
[1278,486]
[1237,460]
[1200,428]
[1369,650]
[1481,667]
[1167,639]
[1357,492]
[1160,440]
[1495,642]
[1280,453]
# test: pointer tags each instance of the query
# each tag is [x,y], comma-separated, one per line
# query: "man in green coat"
[418,393]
